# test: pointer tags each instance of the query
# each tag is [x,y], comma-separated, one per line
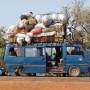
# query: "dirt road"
[44,83]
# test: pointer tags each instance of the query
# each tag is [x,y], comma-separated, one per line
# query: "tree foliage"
[2,31]
[81,16]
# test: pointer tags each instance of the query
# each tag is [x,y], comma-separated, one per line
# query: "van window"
[70,50]
[33,52]
[74,51]
[12,52]
[19,51]
[51,52]
[54,52]
[16,51]
[88,55]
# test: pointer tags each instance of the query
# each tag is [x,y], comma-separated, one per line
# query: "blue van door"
[14,57]
[34,61]
[73,58]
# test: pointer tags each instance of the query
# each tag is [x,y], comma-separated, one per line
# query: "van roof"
[45,45]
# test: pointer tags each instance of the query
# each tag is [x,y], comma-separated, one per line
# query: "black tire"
[74,71]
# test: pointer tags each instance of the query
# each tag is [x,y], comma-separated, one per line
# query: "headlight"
[81,59]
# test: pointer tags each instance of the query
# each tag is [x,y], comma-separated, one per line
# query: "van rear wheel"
[74,71]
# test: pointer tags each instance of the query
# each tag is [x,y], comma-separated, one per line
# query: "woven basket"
[58,28]
[50,39]
[43,39]
[58,38]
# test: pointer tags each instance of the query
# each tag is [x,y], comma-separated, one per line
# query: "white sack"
[28,14]
[38,18]
[20,38]
[22,23]
[40,25]
[11,29]
[28,39]
[46,20]
[62,17]
[29,34]
[45,34]
[54,17]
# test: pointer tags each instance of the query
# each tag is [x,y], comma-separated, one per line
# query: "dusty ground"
[44,83]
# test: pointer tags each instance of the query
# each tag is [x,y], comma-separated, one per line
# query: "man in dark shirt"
[12,52]
[79,52]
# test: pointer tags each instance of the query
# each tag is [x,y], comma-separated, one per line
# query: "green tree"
[81,16]
[2,32]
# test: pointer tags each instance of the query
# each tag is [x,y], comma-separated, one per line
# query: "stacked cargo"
[38,28]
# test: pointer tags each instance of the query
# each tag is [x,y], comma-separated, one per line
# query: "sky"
[10,10]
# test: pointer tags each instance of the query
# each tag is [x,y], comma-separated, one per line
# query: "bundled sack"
[62,18]
[59,17]
[11,39]
[58,27]
[28,39]
[39,36]
[22,23]
[38,18]
[48,37]
[12,31]
[46,20]
[45,34]
[54,17]
[26,24]
[26,15]
[20,38]
[28,20]
[43,37]
[40,25]
[35,31]
[32,23]
[22,30]
[50,29]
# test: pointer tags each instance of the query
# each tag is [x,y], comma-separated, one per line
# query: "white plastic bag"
[22,23]
[40,25]
[38,18]
[20,38]
[54,17]
[62,18]
[46,20]
[28,39]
